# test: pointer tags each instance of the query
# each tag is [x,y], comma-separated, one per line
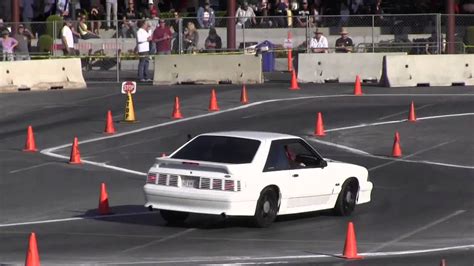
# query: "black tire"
[173,217]
[346,200]
[267,208]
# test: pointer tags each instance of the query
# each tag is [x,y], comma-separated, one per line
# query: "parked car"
[258,174]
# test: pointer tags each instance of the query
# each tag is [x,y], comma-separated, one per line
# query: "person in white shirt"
[245,16]
[319,43]
[67,38]
[143,47]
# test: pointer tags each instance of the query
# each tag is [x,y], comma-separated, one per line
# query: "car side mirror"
[323,163]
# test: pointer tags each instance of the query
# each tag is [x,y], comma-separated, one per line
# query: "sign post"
[129,88]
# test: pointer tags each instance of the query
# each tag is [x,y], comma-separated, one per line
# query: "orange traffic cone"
[290,54]
[412,116]
[396,150]
[213,106]
[103,201]
[177,109]
[294,81]
[109,124]
[319,126]
[442,262]
[350,247]
[32,256]
[30,145]
[243,95]
[75,154]
[357,87]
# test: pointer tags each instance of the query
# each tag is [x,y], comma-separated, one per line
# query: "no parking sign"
[129,87]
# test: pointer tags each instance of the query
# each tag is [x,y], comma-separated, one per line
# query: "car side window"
[277,159]
[301,156]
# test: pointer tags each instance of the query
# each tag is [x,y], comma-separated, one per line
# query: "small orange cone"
[357,87]
[177,109]
[243,95]
[396,150]
[32,256]
[75,154]
[103,201]
[213,106]
[294,81]
[412,116]
[319,126]
[30,145]
[109,124]
[442,262]
[350,247]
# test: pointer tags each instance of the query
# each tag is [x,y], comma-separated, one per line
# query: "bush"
[469,39]
[45,43]
[54,24]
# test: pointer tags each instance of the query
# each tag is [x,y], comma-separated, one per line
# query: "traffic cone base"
[357,87]
[30,145]
[350,246]
[243,95]
[129,115]
[213,105]
[75,154]
[294,81]
[32,256]
[412,116]
[109,124]
[177,109]
[319,131]
[103,201]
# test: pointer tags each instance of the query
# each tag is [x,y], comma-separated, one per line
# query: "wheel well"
[352,179]
[277,191]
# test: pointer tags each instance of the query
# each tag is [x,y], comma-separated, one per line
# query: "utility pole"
[231,7]
[15,14]
[451,27]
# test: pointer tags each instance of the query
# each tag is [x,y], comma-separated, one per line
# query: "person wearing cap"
[162,38]
[205,16]
[319,43]
[8,44]
[344,44]
[23,37]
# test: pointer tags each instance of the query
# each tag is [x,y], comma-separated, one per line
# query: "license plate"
[188,182]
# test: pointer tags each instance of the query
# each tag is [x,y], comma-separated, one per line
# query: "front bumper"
[198,200]
[365,192]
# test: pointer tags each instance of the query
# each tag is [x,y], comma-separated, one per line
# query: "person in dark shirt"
[304,15]
[213,41]
[344,44]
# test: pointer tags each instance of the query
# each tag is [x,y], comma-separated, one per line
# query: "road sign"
[129,87]
[288,43]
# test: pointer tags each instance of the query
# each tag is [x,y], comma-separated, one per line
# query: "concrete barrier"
[41,75]
[428,70]
[207,69]
[320,68]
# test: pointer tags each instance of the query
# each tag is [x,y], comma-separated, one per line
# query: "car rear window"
[219,149]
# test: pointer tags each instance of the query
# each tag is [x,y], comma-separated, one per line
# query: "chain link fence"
[112,55]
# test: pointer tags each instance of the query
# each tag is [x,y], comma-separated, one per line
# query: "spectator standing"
[8,45]
[319,43]
[129,27]
[191,38]
[280,10]
[151,11]
[62,8]
[23,37]
[205,16]
[245,16]
[49,8]
[67,38]
[177,33]
[83,30]
[27,12]
[304,15]
[111,7]
[344,44]
[143,47]
[213,41]
[162,38]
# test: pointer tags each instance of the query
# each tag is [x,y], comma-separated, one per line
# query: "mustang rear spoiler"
[193,165]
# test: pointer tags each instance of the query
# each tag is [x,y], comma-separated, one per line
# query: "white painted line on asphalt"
[160,240]
[77,219]
[28,168]
[404,112]
[409,234]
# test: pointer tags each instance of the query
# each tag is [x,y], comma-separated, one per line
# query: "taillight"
[151,178]
[229,185]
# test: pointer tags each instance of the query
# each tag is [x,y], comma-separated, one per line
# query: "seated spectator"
[344,44]
[319,43]
[129,26]
[8,44]
[245,16]
[205,16]
[191,38]
[213,41]
[162,38]
[304,15]
[85,33]
[280,11]
[151,11]
[96,14]
[23,37]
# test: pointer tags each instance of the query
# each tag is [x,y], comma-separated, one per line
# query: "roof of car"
[258,135]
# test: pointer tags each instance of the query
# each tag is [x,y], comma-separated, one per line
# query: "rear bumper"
[198,201]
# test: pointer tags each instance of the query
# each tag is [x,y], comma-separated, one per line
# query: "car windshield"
[219,149]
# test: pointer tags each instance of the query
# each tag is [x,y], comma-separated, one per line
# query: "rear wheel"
[267,208]
[346,200]
[173,216]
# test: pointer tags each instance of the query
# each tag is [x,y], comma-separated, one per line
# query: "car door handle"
[296,175]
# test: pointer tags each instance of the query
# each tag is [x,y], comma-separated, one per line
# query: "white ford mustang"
[247,173]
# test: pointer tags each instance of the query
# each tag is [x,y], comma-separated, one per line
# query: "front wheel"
[173,216]
[267,208]
[346,200]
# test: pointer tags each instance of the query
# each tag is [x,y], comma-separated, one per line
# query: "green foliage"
[469,39]
[45,43]
[54,24]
